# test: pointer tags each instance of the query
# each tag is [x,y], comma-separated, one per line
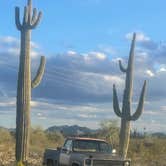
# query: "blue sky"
[83,40]
[85,24]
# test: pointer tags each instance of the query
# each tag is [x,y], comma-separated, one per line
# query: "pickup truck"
[80,151]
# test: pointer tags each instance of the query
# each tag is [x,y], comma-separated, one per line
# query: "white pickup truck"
[79,151]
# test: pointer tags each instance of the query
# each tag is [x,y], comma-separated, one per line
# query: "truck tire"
[50,163]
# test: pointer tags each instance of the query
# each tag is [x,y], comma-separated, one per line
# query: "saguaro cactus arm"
[139,110]
[25,18]
[40,73]
[130,61]
[29,4]
[30,19]
[35,19]
[34,16]
[116,103]
[17,18]
[123,69]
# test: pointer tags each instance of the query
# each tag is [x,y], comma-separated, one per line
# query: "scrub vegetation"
[144,150]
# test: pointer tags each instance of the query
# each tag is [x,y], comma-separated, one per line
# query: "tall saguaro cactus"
[125,113]
[30,21]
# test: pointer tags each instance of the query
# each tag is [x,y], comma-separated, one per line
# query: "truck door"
[65,153]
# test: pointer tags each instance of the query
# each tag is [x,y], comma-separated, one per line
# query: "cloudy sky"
[83,41]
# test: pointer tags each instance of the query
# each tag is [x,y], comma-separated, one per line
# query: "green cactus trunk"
[125,114]
[124,137]
[23,99]
[24,82]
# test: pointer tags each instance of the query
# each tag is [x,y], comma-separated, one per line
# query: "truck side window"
[68,145]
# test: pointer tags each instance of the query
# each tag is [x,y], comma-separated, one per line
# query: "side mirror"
[65,150]
[58,148]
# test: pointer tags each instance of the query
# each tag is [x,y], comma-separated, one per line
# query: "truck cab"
[80,151]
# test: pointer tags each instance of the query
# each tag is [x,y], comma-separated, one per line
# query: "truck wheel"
[50,163]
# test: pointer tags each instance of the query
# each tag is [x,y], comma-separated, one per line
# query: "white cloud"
[162,69]
[107,49]
[92,56]
[163,108]
[9,40]
[87,79]
[11,45]
[114,79]
[13,51]
[86,116]
[140,37]
[150,73]
[7,103]
[34,45]
[71,53]
[34,103]
[98,55]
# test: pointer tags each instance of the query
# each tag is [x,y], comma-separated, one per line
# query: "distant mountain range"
[71,130]
[66,130]
[159,135]
[76,130]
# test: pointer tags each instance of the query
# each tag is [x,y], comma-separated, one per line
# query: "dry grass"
[142,151]
[38,143]
[148,151]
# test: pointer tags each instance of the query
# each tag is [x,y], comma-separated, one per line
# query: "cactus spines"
[30,21]
[125,113]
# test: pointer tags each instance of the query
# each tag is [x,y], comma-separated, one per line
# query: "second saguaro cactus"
[30,21]
[125,113]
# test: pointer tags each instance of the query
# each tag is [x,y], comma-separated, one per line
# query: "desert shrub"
[6,147]
[55,138]
[5,136]
[145,151]
[148,151]
[38,140]
[110,131]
